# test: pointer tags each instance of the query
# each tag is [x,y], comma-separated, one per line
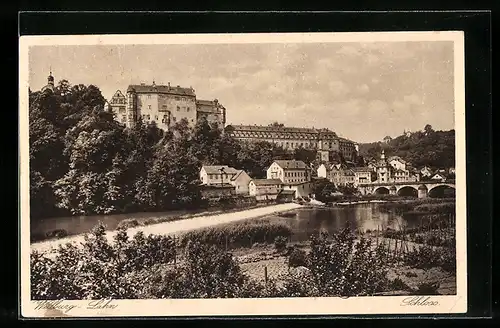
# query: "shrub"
[427,289]
[206,272]
[341,267]
[98,269]
[398,284]
[128,223]
[426,257]
[436,208]
[280,243]
[239,234]
[297,258]
[410,274]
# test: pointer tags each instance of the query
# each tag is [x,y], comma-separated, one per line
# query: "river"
[363,217]
[304,222]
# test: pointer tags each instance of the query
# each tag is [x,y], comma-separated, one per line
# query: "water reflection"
[364,217]
[81,224]
[307,221]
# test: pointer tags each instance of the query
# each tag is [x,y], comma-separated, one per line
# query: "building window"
[149,117]
[149,106]
[187,109]
[149,96]
[178,108]
[156,117]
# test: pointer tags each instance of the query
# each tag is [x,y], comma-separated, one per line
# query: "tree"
[428,129]
[434,149]
[308,156]
[277,124]
[323,190]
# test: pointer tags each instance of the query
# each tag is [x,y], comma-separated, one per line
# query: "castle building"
[322,140]
[164,105]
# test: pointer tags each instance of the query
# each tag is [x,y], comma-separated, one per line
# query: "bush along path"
[141,267]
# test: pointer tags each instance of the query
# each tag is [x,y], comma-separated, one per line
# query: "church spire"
[50,78]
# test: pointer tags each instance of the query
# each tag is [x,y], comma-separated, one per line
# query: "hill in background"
[435,149]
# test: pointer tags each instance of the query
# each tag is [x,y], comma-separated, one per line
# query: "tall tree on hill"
[308,156]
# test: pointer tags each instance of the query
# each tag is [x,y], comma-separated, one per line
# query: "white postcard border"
[243,307]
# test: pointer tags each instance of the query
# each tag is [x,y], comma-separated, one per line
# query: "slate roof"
[174,90]
[215,169]
[267,182]
[218,186]
[291,164]
[280,132]
[349,172]
[397,158]
[362,169]
[237,175]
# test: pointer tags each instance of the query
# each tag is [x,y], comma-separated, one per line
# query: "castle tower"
[131,107]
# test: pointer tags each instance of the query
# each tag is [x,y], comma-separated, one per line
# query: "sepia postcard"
[216,175]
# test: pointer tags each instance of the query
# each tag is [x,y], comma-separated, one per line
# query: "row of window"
[294,174]
[178,108]
[118,101]
[218,176]
[178,98]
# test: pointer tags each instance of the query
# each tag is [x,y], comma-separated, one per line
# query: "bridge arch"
[410,191]
[441,190]
[381,190]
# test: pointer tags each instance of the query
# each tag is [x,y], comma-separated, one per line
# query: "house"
[301,189]
[216,191]
[286,196]
[217,174]
[426,172]
[397,163]
[240,181]
[265,189]
[362,175]
[324,171]
[342,175]
[289,171]
[439,176]
[393,169]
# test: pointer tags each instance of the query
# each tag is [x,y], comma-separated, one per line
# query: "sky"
[362,91]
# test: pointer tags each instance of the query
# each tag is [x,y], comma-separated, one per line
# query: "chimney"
[169,85]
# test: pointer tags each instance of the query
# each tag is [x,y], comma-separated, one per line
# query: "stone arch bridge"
[422,188]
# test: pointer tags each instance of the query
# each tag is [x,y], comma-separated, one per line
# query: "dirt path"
[167,228]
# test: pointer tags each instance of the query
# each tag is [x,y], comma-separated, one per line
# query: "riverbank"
[178,226]
[56,228]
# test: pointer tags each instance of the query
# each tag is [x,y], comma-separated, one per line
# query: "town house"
[241,182]
[265,189]
[217,174]
[362,175]
[289,171]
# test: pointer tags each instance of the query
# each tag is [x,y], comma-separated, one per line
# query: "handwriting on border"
[419,301]
[63,306]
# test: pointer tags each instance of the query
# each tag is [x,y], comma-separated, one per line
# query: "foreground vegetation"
[201,266]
